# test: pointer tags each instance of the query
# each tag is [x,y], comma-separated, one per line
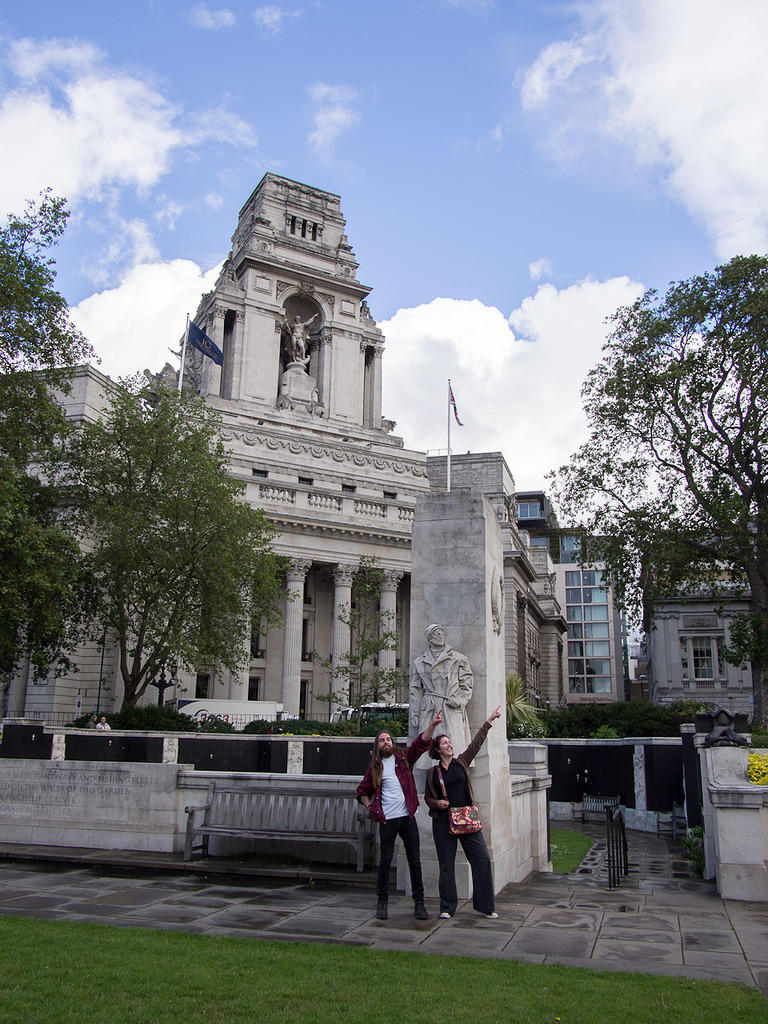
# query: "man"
[441,680]
[389,793]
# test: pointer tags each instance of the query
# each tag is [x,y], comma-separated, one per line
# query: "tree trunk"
[759,684]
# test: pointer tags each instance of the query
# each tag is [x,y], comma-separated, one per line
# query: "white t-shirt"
[392,797]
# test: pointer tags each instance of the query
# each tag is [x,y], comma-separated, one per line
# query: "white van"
[237,712]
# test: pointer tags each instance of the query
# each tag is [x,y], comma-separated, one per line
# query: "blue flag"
[199,339]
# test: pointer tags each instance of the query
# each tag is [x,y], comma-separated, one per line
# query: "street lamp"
[162,683]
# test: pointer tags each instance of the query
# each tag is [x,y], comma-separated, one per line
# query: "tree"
[181,566]
[672,478]
[357,678]
[41,581]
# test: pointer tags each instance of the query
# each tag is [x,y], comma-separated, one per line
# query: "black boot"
[420,910]
[381,909]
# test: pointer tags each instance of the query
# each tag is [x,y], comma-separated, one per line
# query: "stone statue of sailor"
[441,680]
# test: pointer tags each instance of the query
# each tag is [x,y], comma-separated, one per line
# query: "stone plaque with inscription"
[95,804]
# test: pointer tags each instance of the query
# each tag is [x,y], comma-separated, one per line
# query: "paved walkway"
[661,921]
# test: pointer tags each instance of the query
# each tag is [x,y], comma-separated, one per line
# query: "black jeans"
[479,859]
[408,831]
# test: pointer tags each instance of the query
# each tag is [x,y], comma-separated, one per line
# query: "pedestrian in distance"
[389,793]
[448,786]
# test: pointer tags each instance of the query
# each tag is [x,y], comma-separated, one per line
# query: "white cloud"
[76,124]
[540,268]
[473,6]
[333,114]
[685,86]
[203,17]
[271,18]
[169,213]
[516,379]
[214,200]
[132,326]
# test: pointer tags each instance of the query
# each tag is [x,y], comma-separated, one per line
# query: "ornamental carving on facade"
[253,439]
[497,602]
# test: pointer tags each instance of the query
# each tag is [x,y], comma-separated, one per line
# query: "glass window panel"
[598,649]
[575,649]
[573,612]
[540,542]
[600,684]
[703,664]
[596,630]
[594,595]
[684,658]
[573,579]
[596,611]
[575,684]
[575,631]
[591,577]
[528,510]
[598,666]
[569,548]
[575,667]
[573,596]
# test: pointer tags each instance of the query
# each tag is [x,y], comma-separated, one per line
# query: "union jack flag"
[452,400]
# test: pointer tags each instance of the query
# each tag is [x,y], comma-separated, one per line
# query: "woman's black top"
[455,779]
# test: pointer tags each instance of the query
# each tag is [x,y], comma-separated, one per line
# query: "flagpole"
[448,457]
[183,354]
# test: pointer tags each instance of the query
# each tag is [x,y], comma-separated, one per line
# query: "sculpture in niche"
[441,680]
[295,335]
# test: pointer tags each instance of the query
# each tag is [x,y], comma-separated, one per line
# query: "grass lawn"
[567,849]
[60,972]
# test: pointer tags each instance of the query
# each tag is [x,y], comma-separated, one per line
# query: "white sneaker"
[493,915]
[445,914]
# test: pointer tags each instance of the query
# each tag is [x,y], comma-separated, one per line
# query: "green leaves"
[673,475]
[181,565]
[42,591]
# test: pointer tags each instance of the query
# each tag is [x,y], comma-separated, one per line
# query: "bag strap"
[442,784]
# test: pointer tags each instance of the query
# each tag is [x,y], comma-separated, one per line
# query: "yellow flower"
[757,768]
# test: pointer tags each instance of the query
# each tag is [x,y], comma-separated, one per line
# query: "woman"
[455,791]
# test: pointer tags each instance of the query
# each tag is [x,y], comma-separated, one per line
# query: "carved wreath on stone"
[497,602]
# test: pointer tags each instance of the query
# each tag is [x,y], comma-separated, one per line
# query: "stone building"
[299,392]
[685,652]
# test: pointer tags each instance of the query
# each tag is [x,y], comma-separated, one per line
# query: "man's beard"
[386,752]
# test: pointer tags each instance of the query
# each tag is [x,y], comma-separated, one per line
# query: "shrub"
[693,848]
[605,732]
[627,718]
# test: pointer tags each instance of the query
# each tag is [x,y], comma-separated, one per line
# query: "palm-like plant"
[519,709]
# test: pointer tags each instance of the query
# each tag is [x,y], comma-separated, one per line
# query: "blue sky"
[510,173]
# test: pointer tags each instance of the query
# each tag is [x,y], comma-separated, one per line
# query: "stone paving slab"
[654,923]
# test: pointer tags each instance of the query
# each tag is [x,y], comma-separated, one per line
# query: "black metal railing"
[618,850]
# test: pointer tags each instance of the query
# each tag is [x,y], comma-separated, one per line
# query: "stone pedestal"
[299,390]
[735,817]
[456,574]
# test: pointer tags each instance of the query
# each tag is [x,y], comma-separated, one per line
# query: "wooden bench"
[269,812]
[672,823]
[594,806]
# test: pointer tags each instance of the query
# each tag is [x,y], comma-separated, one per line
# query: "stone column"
[457,560]
[212,372]
[294,614]
[239,358]
[343,575]
[388,614]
